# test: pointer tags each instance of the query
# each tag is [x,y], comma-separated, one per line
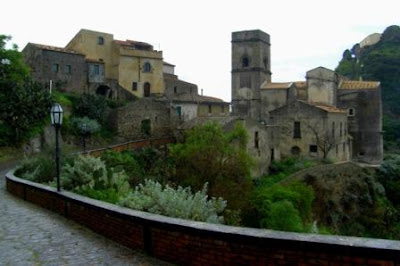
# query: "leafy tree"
[23,104]
[221,159]
[93,107]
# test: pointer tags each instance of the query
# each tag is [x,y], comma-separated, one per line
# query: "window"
[68,69]
[146,67]
[209,108]
[333,129]
[313,148]
[340,130]
[55,68]
[337,149]
[296,130]
[256,139]
[96,69]
[344,147]
[175,89]
[134,86]
[179,111]
[100,40]
[345,128]
[190,89]
[245,62]
[351,112]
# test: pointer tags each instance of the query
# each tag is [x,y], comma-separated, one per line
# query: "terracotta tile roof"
[359,85]
[325,107]
[196,98]
[275,85]
[54,48]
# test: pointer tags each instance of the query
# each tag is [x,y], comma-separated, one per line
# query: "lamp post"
[84,137]
[56,114]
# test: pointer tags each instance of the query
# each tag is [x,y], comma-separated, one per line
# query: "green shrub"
[124,161]
[93,106]
[282,215]
[40,169]
[180,202]
[92,126]
[299,195]
[88,173]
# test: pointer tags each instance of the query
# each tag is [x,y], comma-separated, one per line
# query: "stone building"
[57,67]
[324,116]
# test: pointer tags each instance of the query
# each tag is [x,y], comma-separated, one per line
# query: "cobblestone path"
[30,235]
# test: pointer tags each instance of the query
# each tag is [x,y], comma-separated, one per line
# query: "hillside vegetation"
[379,62]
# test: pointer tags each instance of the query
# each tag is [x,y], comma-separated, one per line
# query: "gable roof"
[359,85]
[276,85]
[195,98]
[53,48]
[320,106]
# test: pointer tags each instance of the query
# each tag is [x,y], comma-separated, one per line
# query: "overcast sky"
[195,35]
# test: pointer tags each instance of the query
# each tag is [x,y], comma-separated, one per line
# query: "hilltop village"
[324,116]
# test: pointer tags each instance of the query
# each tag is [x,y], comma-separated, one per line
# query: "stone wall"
[317,128]
[365,125]
[128,121]
[71,72]
[196,243]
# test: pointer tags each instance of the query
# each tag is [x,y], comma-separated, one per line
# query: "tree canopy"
[23,103]
[220,158]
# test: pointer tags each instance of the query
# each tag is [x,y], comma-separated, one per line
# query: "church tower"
[251,66]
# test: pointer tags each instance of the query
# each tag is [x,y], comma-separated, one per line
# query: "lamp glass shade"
[56,114]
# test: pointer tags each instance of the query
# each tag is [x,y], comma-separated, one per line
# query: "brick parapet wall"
[189,242]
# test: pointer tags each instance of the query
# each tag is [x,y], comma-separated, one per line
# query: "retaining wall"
[188,242]
[132,145]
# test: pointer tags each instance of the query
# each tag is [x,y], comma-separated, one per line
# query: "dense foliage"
[379,62]
[180,202]
[218,158]
[24,105]
[92,106]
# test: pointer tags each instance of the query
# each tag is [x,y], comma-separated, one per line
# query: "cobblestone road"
[30,235]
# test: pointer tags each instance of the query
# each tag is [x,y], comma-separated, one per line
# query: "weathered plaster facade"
[136,66]
[312,130]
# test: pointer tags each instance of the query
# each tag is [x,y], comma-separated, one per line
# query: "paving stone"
[30,235]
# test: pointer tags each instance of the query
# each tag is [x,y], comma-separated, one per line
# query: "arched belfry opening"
[245,62]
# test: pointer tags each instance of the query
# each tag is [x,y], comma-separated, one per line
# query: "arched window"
[245,62]
[146,67]
[146,89]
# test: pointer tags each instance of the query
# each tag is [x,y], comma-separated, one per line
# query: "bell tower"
[251,66]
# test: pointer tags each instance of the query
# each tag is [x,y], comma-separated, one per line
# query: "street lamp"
[84,137]
[56,114]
